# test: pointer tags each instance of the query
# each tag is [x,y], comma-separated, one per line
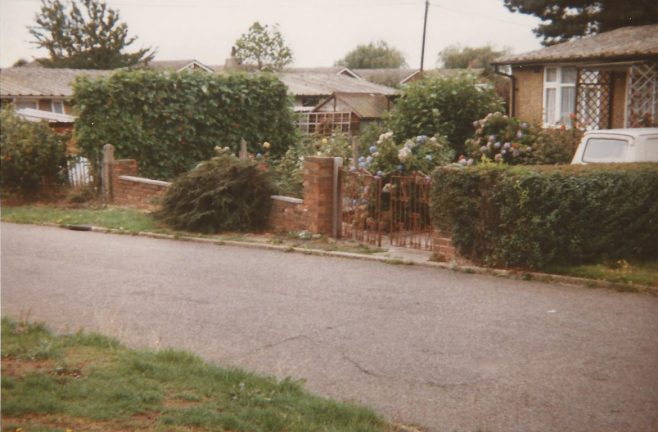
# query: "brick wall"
[288,214]
[128,189]
[139,192]
[442,248]
[315,212]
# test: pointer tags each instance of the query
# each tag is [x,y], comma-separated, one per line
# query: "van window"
[604,150]
[650,150]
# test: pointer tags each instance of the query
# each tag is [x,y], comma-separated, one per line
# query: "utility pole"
[422,53]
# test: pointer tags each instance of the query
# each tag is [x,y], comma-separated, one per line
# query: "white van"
[618,145]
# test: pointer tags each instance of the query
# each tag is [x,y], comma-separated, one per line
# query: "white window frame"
[558,85]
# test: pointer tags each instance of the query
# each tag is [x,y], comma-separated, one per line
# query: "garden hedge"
[534,217]
[171,121]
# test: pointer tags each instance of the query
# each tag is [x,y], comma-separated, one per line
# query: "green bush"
[222,194]
[33,156]
[536,216]
[555,146]
[170,122]
[442,106]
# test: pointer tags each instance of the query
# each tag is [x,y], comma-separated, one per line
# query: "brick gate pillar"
[319,194]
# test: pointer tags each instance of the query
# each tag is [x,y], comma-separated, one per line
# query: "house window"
[559,95]
[58,107]
[20,104]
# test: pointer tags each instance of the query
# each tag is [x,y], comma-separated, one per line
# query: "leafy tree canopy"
[457,57]
[88,36]
[566,19]
[264,48]
[375,55]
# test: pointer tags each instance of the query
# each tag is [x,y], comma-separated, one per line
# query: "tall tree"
[88,36]
[457,57]
[375,55]
[264,48]
[565,19]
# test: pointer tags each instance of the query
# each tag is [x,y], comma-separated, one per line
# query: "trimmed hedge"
[536,216]
[170,122]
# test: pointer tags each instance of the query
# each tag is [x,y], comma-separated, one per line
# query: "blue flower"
[362,159]
[428,157]
[258,155]
[369,159]
[421,139]
[400,167]
[373,149]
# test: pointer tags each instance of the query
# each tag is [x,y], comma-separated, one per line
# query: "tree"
[88,36]
[375,55]
[442,105]
[566,19]
[457,57]
[263,47]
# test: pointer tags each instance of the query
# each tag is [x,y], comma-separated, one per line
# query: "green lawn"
[86,381]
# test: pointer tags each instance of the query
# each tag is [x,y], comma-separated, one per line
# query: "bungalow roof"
[42,82]
[626,43]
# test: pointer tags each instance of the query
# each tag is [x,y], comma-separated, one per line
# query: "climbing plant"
[170,122]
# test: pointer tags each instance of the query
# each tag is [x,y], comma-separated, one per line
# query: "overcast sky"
[318,31]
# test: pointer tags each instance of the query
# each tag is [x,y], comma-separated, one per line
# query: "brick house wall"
[529,94]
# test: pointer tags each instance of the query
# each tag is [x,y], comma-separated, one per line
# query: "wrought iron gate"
[394,209]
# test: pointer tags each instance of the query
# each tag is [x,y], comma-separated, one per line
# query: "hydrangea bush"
[501,138]
[509,140]
[420,154]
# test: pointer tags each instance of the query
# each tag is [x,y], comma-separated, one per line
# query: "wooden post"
[355,151]
[243,149]
[108,162]
[336,222]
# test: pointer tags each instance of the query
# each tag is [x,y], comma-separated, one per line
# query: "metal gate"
[394,210]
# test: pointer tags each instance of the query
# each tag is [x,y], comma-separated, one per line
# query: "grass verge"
[118,218]
[621,271]
[134,221]
[86,381]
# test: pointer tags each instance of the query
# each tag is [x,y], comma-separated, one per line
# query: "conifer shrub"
[222,194]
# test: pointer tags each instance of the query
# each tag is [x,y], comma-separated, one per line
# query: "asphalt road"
[444,350]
